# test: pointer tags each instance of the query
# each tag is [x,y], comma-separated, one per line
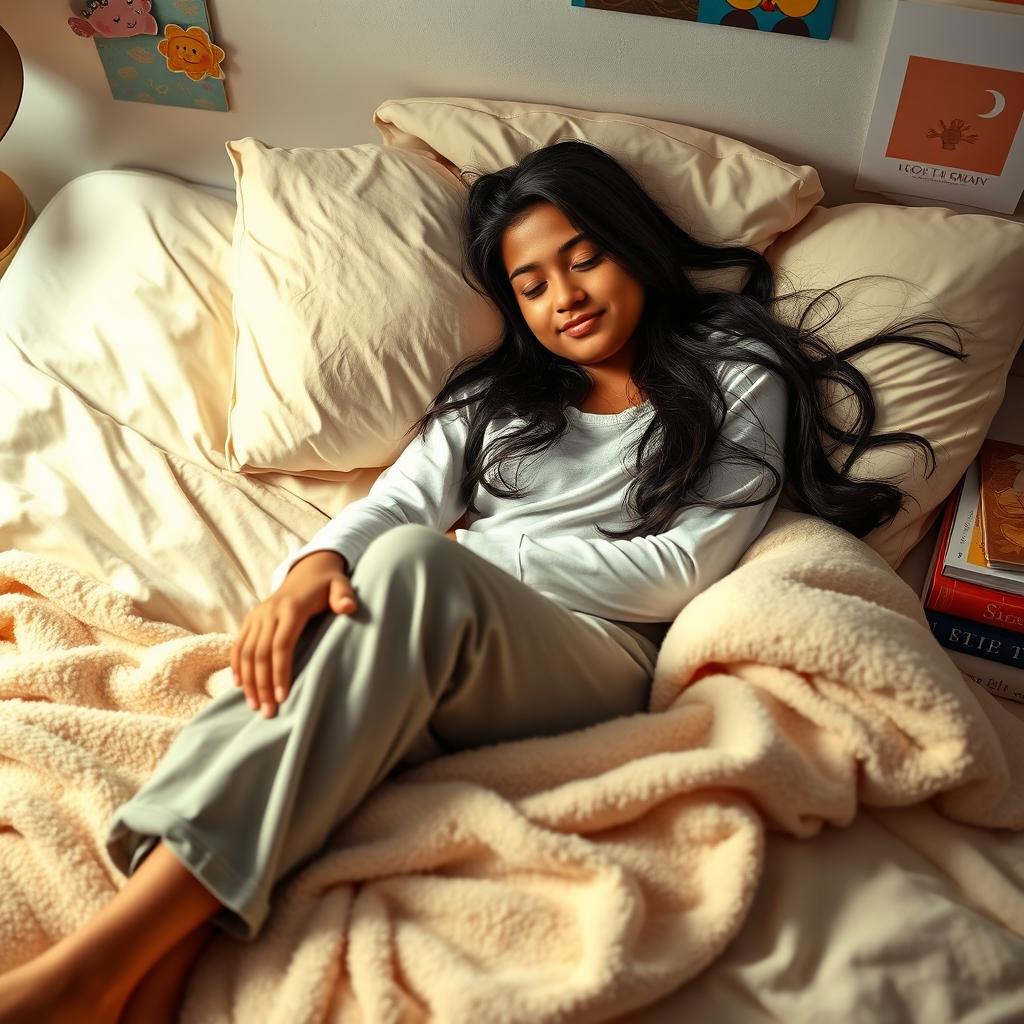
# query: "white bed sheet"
[112,420]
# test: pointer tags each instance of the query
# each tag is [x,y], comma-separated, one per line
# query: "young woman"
[652,425]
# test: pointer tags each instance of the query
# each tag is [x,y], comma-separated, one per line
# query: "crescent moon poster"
[946,125]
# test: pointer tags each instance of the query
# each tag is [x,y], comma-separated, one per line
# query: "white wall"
[311,72]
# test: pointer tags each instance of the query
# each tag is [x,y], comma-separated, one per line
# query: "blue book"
[980,640]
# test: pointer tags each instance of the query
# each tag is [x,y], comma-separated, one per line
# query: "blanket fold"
[572,877]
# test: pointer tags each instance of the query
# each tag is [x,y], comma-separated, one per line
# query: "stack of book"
[973,592]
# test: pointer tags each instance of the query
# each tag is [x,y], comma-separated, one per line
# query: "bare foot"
[36,991]
[89,975]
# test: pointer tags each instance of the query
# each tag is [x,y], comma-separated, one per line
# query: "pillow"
[966,268]
[349,304]
[338,351]
[121,290]
[721,191]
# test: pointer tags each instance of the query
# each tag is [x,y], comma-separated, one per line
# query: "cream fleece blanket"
[573,877]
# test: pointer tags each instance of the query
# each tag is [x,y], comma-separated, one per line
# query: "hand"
[461,524]
[261,657]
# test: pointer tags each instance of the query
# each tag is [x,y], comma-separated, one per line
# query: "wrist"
[327,556]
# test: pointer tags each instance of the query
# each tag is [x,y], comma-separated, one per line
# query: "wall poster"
[155,51]
[946,125]
[808,18]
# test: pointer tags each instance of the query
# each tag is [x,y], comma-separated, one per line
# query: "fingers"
[236,654]
[262,666]
[242,656]
[343,598]
[282,646]
[250,660]
[261,656]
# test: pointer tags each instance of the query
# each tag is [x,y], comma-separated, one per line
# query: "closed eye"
[585,265]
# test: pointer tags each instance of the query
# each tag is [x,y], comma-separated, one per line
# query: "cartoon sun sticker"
[191,51]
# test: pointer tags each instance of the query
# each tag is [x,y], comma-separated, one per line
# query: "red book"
[968,600]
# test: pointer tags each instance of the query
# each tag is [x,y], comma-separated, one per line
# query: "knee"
[404,546]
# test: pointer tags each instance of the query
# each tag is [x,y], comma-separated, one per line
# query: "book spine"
[978,639]
[979,604]
[959,540]
[1003,681]
[934,577]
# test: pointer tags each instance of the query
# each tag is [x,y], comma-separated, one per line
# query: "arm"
[651,579]
[421,486]
[460,525]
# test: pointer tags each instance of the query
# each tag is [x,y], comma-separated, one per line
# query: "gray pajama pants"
[445,652]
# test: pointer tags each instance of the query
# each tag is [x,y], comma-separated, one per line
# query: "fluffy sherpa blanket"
[572,877]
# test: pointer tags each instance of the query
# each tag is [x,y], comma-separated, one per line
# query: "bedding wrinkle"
[158,356]
[656,823]
[212,529]
[188,541]
[794,821]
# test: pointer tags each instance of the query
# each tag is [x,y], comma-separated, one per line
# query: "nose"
[568,294]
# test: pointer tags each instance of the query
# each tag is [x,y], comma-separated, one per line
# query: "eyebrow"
[564,247]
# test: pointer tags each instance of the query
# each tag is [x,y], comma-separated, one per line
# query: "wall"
[312,72]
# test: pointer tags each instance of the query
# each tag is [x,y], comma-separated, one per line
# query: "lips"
[582,319]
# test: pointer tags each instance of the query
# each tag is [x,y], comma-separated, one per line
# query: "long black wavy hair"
[683,334]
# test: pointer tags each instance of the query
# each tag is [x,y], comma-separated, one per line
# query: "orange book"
[1001,513]
[983,604]
[965,554]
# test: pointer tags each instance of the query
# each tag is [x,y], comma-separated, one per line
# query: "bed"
[143,507]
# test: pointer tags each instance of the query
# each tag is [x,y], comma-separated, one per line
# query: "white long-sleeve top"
[548,538]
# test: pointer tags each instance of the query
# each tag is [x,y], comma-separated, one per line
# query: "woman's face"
[559,286]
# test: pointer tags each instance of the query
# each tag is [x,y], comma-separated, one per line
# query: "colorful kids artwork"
[809,18]
[114,18]
[191,52]
[178,65]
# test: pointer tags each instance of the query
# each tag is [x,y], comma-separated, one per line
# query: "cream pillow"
[721,191]
[349,304]
[966,268]
[348,298]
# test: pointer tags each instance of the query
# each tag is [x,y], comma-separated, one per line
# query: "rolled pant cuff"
[136,828]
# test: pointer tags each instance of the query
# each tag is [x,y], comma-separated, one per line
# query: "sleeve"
[651,579]
[421,486]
